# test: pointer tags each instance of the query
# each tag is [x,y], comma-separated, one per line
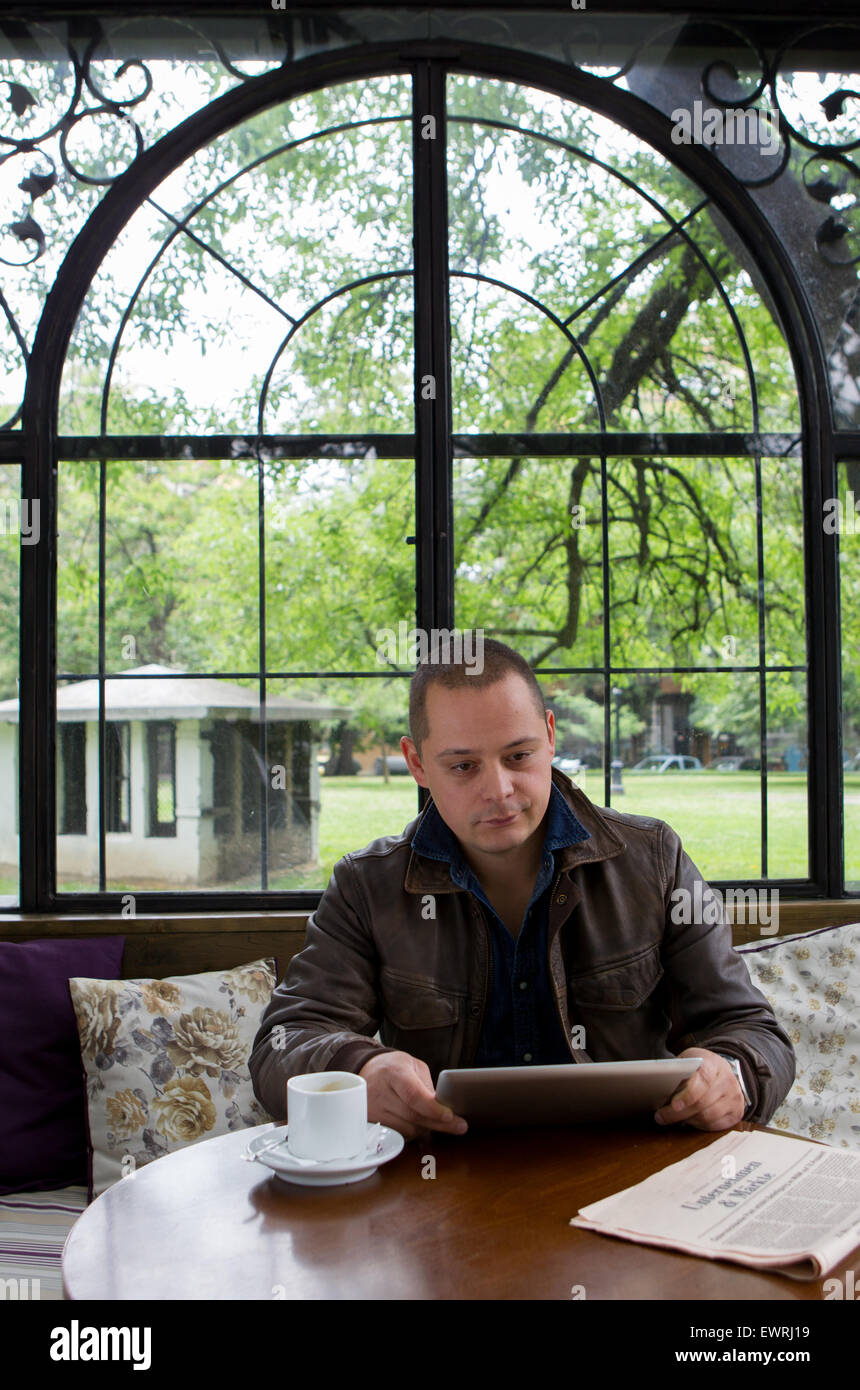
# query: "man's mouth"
[502,820]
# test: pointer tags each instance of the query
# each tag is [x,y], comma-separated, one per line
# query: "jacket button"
[562,898]
[474,1010]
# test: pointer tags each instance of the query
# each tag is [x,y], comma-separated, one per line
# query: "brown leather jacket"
[377,959]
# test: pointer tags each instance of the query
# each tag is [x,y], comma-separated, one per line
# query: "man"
[514,923]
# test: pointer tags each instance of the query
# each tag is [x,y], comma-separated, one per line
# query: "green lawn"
[718,816]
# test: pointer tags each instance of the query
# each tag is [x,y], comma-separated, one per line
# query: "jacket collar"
[425,875]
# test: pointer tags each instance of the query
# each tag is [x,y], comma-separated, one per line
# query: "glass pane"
[528,555]
[801,171]
[340,577]
[182,562]
[693,760]
[787,763]
[682,559]
[682,552]
[19,521]
[265,285]
[350,783]
[577,704]
[330,779]
[574,285]
[77,786]
[77,568]
[783,540]
[181,566]
[62,147]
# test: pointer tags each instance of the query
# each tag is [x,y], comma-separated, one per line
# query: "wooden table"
[492,1224]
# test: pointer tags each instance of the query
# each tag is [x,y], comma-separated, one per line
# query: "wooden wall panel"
[187,943]
[181,945]
[803,916]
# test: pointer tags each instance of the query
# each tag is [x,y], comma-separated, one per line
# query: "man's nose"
[497,782]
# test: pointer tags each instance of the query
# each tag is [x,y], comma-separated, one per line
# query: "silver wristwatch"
[736,1068]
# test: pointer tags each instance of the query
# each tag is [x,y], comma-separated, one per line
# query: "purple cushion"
[43,1126]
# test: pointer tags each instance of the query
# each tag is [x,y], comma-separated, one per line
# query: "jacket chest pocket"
[411,1003]
[625,985]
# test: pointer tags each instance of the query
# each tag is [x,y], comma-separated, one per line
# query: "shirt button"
[527,1056]
[524,984]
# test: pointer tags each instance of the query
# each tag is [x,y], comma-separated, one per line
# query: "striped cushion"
[33,1230]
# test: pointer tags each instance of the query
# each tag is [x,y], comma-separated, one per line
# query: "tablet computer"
[569,1093]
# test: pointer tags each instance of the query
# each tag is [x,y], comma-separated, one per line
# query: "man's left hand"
[710,1099]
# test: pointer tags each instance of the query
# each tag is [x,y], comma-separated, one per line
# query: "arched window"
[336,331]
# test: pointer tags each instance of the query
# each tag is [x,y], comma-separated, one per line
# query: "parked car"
[397,765]
[738,763]
[744,764]
[668,762]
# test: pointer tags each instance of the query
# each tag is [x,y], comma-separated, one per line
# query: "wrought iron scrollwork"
[829,175]
[48,134]
[77,94]
[747,77]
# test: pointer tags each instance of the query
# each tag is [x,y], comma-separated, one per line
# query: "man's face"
[487,763]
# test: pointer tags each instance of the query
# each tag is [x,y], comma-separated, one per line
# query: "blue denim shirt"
[521,1022]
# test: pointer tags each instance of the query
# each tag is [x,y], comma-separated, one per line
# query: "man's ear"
[413,762]
[550,724]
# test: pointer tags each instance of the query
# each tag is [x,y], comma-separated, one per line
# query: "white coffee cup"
[327,1115]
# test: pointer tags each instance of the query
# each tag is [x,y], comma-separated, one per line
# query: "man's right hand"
[400,1094]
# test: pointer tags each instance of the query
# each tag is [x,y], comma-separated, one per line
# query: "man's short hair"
[499,661]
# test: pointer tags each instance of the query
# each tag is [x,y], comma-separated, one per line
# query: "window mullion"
[434,536]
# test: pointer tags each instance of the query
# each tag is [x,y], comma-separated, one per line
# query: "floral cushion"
[166,1062]
[813,984]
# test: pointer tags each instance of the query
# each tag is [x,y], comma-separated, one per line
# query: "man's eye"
[460,767]
[525,754]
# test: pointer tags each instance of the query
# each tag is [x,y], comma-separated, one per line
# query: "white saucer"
[382,1145]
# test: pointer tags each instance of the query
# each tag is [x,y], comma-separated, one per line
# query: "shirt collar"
[434,839]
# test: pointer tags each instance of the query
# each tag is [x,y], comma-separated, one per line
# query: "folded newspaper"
[786,1205]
